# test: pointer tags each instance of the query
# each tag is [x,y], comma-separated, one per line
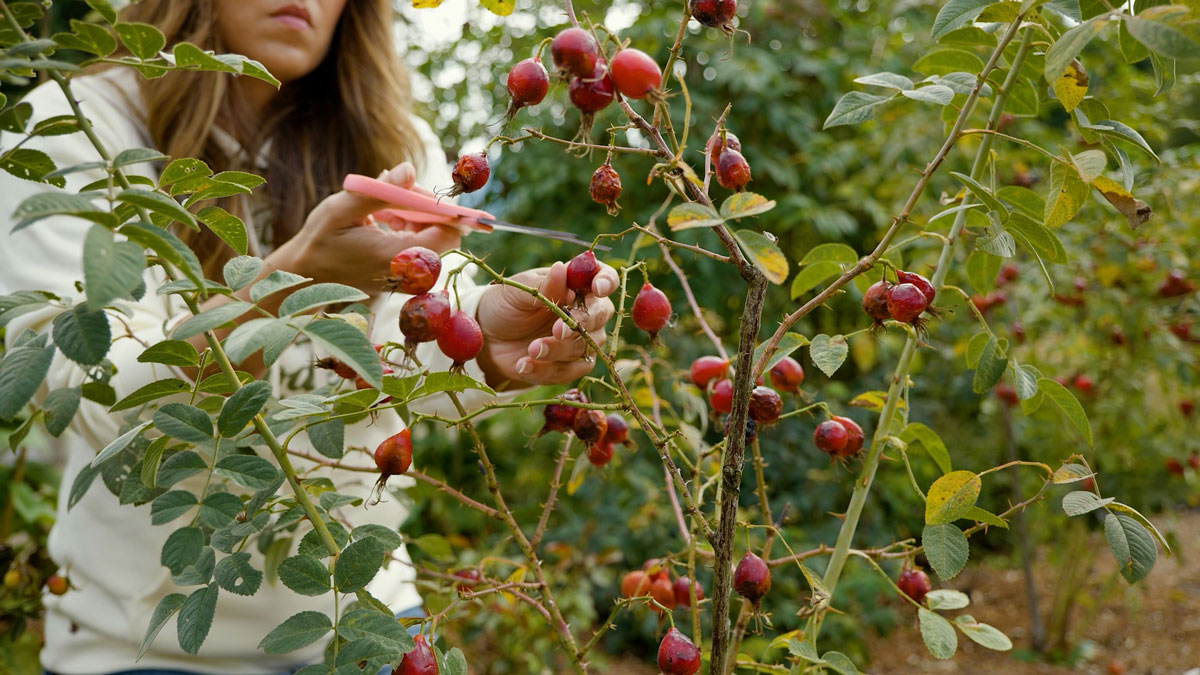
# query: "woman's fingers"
[605,281]
[552,372]
[439,238]
[568,348]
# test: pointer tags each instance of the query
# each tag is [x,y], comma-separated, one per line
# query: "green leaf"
[143,40]
[1081,501]
[1121,132]
[241,407]
[990,368]
[367,623]
[171,353]
[889,80]
[118,444]
[946,61]
[181,169]
[210,319]
[251,471]
[305,575]
[168,247]
[811,276]
[297,631]
[828,353]
[269,335]
[983,194]
[1068,46]
[137,156]
[689,215]
[274,282]
[182,548]
[151,392]
[1025,381]
[934,93]
[184,422]
[46,204]
[964,83]
[789,343]
[1023,199]
[82,335]
[240,271]
[357,565]
[387,537]
[744,205]
[835,253]
[21,373]
[59,408]
[1034,236]
[1090,164]
[158,203]
[219,509]
[1131,545]
[328,438]
[179,466]
[171,505]
[916,432]
[87,37]
[1144,521]
[317,295]
[235,574]
[228,227]
[946,549]
[995,240]
[79,486]
[166,608]
[1023,100]
[152,460]
[951,497]
[435,545]
[983,634]
[1070,406]
[804,650]
[347,344]
[1162,38]
[839,663]
[946,599]
[765,254]
[938,634]
[31,164]
[187,54]
[982,269]
[956,14]
[196,617]
[854,107]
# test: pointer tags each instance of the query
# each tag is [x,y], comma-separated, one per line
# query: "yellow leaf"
[517,576]
[426,4]
[1071,86]
[951,497]
[765,255]
[501,7]
[1108,274]
[1135,210]
[873,400]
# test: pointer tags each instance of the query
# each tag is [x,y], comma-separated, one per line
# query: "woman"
[343,108]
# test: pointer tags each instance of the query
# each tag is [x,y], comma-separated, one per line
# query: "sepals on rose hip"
[392,457]
[714,13]
[420,661]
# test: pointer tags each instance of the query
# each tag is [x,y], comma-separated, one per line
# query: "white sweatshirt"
[111,552]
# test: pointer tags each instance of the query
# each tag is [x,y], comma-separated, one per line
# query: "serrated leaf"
[166,608]
[311,297]
[835,253]
[171,353]
[996,241]
[210,319]
[184,422]
[1081,501]
[990,368]
[946,548]
[839,663]
[357,565]
[228,227]
[152,460]
[765,255]
[1089,164]
[305,575]
[151,392]
[46,204]
[1144,521]
[828,353]
[158,203]
[299,630]
[1066,196]
[1024,381]
[889,80]
[241,407]
[983,634]
[951,496]
[82,335]
[182,548]
[33,165]
[118,444]
[143,40]
[804,651]
[1131,545]
[689,215]
[87,37]
[235,574]
[180,466]
[22,371]
[938,634]
[946,61]
[956,14]
[915,432]
[1136,211]
[1070,406]
[59,409]
[1069,44]
[348,344]
[328,438]
[171,505]
[219,509]
[853,108]
[946,599]
[274,282]
[433,544]
[251,471]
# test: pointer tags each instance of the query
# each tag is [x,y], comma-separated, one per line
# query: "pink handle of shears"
[408,199]
[422,218]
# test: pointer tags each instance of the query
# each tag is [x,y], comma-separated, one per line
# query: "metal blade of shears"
[557,235]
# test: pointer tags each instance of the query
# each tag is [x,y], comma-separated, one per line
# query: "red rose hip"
[714,13]
[905,302]
[560,417]
[721,398]
[920,282]
[706,369]
[580,272]
[716,146]
[765,405]
[635,73]
[874,302]
[651,310]
[419,661]
[415,270]
[915,584]
[600,453]
[527,83]
[831,437]
[605,188]
[574,52]
[854,437]
[787,375]
[677,655]
[733,171]
[617,431]
[470,173]
[590,425]
[423,317]
[460,339]
[752,578]
[683,592]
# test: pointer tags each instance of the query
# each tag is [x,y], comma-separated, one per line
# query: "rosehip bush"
[743,279]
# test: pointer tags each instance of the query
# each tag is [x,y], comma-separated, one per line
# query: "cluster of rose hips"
[654,580]
[1175,285]
[599,431]
[725,156]
[903,301]
[710,374]
[1175,467]
[427,316]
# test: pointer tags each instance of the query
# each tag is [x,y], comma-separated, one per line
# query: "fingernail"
[559,330]
[543,350]
[524,367]
[604,286]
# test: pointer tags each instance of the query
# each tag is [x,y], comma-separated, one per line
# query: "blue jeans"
[417,611]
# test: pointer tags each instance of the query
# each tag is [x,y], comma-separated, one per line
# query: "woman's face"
[289,37]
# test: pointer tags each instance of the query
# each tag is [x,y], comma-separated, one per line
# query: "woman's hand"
[524,343]
[340,243]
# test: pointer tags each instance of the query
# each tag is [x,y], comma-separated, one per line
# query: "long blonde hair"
[350,115]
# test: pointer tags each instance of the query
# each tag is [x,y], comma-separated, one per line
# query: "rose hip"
[905,302]
[721,398]
[752,578]
[677,655]
[706,369]
[470,173]
[635,74]
[580,272]
[423,317]
[574,52]
[57,585]
[340,368]
[392,457]
[920,282]
[415,270]
[683,592]
[634,584]
[618,430]
[527,83]
[590,425]
[716,146]
[560,417]
[765,405]
[651,310]
[733,171]
[915,584]
[470,577]
[600,453]
[460,339]
[874,301]
[605,187]
[831,437]
[854,436]
[714,13]
[419,661]
[787,375]
[663,591]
